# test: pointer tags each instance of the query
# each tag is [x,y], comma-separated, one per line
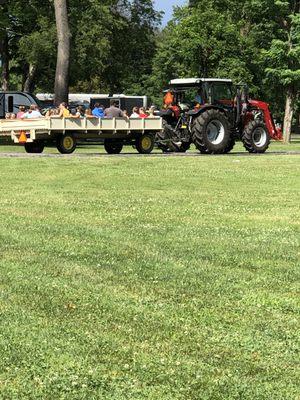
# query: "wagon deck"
[47,130]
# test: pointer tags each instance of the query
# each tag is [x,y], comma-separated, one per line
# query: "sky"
[167,7]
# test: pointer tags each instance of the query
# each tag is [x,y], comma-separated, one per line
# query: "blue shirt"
[98,112]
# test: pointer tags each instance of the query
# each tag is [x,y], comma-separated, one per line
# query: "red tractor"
[212,114]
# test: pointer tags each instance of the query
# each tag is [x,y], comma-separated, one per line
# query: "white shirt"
[32,114]
[134,115]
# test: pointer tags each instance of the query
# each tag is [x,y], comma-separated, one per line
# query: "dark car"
[11,101]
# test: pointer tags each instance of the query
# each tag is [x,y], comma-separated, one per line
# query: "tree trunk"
[4,62]
[29,82]
[61,88]
[288,117]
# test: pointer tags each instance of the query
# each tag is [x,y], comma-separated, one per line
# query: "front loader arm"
[274,131]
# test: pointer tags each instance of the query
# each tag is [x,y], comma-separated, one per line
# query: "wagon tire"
[112,146]
[35,147]
[66,144]
[145,143]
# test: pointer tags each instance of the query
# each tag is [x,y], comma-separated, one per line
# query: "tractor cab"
[196,93]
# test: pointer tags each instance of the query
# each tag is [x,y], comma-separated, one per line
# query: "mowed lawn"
[149,277]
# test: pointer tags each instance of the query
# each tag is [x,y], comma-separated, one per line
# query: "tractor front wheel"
[256,138]
[211,132]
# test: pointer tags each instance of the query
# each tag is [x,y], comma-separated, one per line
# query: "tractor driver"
[170,111]
[199,99]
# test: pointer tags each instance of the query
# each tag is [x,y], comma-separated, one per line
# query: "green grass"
[7,147]
[149,278]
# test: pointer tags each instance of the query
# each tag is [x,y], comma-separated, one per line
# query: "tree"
[284,60]
[120,44]
[4,61]
[133,46]
[61,88]
[91,48]
[203,41]
[31,40]
[4,50]
[256,41]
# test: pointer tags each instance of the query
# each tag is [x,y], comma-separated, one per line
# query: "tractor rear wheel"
[113,146]
[35,147]
[256,138]
[66,144]
[145,143]
[160,142]
[211,132]
[230,145]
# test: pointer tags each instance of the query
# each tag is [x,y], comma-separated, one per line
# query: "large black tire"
[159,138]
[230,145]
[171,141]
[66,144]
[256,138]
[35,147]
[211,132]
[112,146]
[184,147]
[145,143]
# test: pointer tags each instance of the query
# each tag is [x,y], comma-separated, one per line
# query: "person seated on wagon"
[142,113]
[63,111]
[135,113]
[88,113]
[80,112]
[33,112]
[52,113]
[113,111]
[21,112]
[98,111]
[151,111]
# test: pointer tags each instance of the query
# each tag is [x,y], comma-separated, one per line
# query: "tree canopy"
[119,46]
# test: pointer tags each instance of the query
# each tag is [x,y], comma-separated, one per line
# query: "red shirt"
[144,115]
[176,111]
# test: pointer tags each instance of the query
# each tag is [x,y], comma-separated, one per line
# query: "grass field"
[6,147]
[150,277]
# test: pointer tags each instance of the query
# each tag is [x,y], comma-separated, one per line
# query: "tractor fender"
[206,108]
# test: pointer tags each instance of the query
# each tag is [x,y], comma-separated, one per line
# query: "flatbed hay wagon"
[36,134]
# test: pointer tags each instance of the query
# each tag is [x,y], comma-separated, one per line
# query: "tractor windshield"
[191,97]
[222,94]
